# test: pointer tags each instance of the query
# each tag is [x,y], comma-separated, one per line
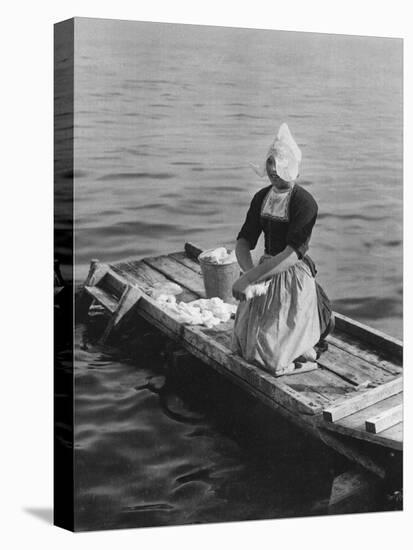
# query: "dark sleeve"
[251,230]
[303,214]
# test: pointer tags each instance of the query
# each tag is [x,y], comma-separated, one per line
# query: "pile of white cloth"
[218,256]
[208,313]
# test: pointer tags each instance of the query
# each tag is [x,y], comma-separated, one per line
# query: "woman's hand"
[238,288]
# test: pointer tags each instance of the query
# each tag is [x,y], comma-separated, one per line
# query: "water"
[161,446]
[166,119]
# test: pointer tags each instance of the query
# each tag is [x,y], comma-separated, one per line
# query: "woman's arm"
[243,254]
[281,262]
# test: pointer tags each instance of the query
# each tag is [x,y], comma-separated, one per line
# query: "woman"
[287,312]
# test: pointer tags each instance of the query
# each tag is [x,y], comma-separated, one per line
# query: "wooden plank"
[354,369]
[395,433]
[385,420]
[363,400]
[178,273]
[354,424]
[192,251]
[128,299]
[194,336]
[326,384]
[107,301]
[111,283]
[299,420]
[96,271]
[257,378]
[182,258]
[265,382]
[321,384]
[368,334]
[355,347]
[346,448]
[146,277]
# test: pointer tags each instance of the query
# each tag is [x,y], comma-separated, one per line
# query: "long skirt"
[274,329]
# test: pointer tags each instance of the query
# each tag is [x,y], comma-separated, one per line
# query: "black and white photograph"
[228,245]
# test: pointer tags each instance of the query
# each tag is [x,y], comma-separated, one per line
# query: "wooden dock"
[352,402]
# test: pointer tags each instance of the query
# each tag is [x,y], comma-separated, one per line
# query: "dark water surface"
[159,445]
[166,119]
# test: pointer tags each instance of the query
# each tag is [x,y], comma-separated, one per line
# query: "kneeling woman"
[283,314]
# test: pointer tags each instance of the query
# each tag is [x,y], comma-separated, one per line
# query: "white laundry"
[165,289]
[258,289]
[218,256]
[204,312]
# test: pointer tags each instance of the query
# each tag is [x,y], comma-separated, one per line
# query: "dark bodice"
[286,219]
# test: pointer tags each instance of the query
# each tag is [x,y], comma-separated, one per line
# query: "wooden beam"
[192,251]
[368,334]
[363,400]
[354,425]
[385,419]
[104,299]
[179,273]
[128,299]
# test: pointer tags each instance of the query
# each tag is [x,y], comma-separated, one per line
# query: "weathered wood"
[172,328]
[194,336]
[147,277]
[395,433]
[112,284]
[343,370]
[96,271]
[354,369]
[129,298]
[320,384]
[363,400]
[192,251]
[304,383]
[268,384]
[178,273]
[356,347]
[368,334]
[182,258]
[107,301]
[297,368]
[385,420]
[354,425]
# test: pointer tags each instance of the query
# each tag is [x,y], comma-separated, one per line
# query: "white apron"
[274,329]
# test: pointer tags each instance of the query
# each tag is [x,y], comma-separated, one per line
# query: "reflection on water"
[159,446]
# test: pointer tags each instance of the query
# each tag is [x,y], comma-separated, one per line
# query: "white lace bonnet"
[286,153]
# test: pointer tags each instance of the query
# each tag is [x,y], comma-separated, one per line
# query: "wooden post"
[84,300]
[93,266]
[385,419]
[96,271]
[128,299]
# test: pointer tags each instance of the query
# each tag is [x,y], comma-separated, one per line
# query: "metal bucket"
[218,278]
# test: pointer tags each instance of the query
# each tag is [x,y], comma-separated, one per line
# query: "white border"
[26,229]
